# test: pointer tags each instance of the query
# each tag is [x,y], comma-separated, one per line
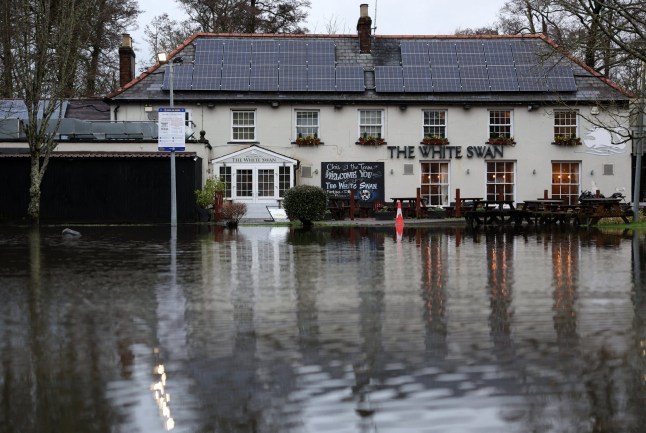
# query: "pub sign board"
[366,178]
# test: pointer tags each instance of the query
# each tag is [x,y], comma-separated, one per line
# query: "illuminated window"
[565,181]
[501,179]
[435,183]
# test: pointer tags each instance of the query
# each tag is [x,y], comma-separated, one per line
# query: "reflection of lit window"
[162,398]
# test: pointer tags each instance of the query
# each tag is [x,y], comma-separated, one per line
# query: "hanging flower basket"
[501,141]
[562,140]
[434,140]
[370,140]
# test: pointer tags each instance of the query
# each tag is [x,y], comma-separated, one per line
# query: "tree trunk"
[35,176]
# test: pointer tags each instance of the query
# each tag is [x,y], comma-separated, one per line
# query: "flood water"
[272,329]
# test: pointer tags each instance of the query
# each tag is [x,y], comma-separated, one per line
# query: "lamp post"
[163,59]
[639,146]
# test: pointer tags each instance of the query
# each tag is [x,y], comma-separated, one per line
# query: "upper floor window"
[435,123]
[500,124]
[371,123]
[243,125]
[307,123]
[565,124]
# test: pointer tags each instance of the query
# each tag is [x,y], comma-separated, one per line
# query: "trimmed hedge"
[306,203]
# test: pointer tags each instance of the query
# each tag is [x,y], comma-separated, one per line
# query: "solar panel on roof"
[414,47]
[473,72]
[235,77]
[502,78]
[498,53]
[560,78]
[208,51]
[350,79]
[182,77]
[321,78]
[292,78]
[445,72]
[531,78]
[475,84]
[320,53]
[441,47]
[503,84]
[207,77]
[293,52]
[443,59]
[446,85]
[389,79]
[415,59]
[263,78]
[417,79]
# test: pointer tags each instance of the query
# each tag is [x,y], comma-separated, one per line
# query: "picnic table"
[593,209]
[488,212]
[409,206]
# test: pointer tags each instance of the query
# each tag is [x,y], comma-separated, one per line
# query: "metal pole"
[173,182]
[639,147]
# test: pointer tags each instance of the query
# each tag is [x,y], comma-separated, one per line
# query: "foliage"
[370,140]
[164,34]
[501,140]
[247,16]
[306,203]
[566,140]
[434,139]
[311,140]
[205,196]
[232,212]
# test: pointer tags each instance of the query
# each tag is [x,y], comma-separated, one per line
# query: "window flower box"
[308,140]
[369,140]
[501,141]
[562,140]
[434,140]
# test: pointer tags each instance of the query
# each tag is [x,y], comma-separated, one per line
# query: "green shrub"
[206,196]
[306,203]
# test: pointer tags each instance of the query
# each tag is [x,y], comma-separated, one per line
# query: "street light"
[163,59]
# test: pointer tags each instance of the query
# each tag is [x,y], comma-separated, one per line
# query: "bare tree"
[45,59]
[247,16]
[164,35]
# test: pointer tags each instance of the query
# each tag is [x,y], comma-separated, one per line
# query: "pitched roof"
[317,68]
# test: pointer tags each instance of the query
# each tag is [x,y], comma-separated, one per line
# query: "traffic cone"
[399,222]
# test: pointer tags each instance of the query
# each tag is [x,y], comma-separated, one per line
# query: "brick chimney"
[126,60]
[364,27]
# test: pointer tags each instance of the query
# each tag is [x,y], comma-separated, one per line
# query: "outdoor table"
[489,212]
[594,209]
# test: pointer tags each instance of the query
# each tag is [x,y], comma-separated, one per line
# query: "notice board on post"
[366,178]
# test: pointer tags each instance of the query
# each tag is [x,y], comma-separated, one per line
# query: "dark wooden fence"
[102,189]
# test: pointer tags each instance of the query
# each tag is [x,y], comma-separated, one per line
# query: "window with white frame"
[435,183]
[565,125]
[566,181]
[501,177]
[307,123]
[243,125]
[500,124]
[435,123]
[371,123]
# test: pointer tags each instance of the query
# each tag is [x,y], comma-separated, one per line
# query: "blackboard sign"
[366,178]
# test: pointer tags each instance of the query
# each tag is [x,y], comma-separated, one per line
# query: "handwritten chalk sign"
[367,178]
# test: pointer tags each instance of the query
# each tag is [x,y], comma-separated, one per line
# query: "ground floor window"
[565,181]
[501,180]
[225,176]
[435,183]
[284,180]
[244,182]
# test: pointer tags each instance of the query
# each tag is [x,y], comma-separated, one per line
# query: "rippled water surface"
[272,329]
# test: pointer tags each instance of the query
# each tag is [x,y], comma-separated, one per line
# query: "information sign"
[171,125]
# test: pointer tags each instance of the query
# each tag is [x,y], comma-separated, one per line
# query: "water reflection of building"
[565,268]
[434,280]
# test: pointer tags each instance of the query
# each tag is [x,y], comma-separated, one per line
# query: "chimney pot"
[126,40]
[363,10]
